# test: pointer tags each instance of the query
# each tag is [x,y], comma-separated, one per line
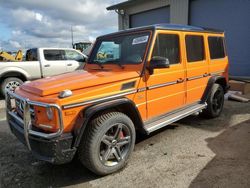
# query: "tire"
[107,143]
[215,102]
[10,83]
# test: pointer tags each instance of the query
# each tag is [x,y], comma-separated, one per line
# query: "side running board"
[173,117]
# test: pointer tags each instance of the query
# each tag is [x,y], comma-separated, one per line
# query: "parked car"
[39,63]
[161,74]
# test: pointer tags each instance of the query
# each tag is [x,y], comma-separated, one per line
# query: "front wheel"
[215,102]
[107,143]
[10,84]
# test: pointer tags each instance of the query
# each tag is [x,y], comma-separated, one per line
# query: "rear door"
[217,53]
[197,66]
[53,62]
[166,86]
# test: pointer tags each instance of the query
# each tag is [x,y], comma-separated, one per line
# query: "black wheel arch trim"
[90,111]
[213,80]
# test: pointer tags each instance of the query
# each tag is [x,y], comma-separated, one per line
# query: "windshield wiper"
[115,62]
[98,63]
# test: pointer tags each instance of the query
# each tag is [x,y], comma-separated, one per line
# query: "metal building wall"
[155,16]
[229,15]
[178,11]
[233,17]
[137,8]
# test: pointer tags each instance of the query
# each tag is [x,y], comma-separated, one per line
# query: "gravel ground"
[193,152]
[2,104]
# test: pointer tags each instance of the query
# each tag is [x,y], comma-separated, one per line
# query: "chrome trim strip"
[176,118]
[142,89]
[195,77]
[217,72]
[162,85]
[98,99]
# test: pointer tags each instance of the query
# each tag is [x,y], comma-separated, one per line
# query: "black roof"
[175,27]
[185,28]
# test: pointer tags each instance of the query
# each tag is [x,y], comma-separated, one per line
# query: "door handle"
[69,64]
[205,75]
[48,65]
[180,80]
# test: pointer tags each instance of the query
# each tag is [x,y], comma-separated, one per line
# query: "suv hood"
[75,80]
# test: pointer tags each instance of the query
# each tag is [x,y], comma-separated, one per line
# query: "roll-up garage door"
[154,16]
[233,17]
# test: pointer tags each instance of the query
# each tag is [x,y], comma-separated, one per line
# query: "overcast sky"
[47,23]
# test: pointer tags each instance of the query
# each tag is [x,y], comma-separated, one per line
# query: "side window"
[54,55]
[216,47]
[73,55]
[167,46]
[31,55]
[195,48]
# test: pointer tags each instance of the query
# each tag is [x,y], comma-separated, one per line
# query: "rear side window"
[195,48]
[31,55]
[216,47]
[54,55]
[167,46]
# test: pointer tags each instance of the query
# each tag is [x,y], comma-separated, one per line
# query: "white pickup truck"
[39,63]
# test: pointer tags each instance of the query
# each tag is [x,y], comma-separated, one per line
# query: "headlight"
[49,113]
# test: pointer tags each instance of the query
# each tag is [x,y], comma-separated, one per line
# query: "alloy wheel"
[12,85]
[115,144]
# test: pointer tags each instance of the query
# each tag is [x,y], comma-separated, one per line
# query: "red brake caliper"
[121,135]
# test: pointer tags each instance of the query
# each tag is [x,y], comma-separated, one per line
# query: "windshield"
[125,49]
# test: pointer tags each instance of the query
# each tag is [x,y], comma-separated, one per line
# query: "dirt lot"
[191,153]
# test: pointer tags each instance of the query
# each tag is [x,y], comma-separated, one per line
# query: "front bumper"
[56,151]
[51,147]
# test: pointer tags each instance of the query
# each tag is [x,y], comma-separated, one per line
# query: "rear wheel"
[107,143]
[11,84]
[215,102]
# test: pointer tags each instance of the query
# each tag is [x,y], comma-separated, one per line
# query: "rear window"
[216,47]
[54,55]
[195,48]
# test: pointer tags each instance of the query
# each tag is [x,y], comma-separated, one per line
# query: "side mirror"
[83,60]
[158,62]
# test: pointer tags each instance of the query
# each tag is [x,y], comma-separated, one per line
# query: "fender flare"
[213,80]
[8,70]
[90,111]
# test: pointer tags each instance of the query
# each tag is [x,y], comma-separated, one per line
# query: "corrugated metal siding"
[179,11]
[233,17]
[155,16]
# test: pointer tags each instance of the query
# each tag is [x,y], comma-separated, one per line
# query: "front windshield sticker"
[140,40]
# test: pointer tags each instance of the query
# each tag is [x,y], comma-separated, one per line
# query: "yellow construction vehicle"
[81,46]
[5,56]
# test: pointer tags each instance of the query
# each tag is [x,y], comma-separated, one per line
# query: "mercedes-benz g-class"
[139,79]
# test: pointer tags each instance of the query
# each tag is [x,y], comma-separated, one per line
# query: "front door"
[166,86]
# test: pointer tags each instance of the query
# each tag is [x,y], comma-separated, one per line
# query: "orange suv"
[139,79]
